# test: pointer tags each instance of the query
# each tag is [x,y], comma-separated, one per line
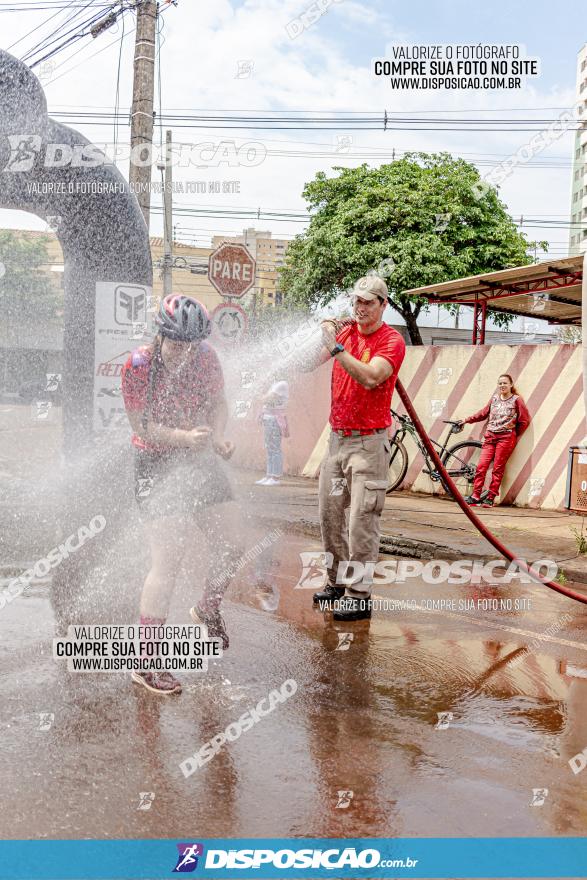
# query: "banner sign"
[510,857]
[123,323]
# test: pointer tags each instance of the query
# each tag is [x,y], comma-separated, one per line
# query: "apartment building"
[269,254]
[578,233]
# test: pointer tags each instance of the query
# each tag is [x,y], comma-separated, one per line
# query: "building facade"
[578,233]
[29,355]
[269,254]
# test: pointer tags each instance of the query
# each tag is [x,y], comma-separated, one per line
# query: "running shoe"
[261,482]
[487,502]
[157,682]
[472,501]
[213,621]
[272,481]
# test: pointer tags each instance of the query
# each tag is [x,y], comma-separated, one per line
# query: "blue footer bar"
[300,857]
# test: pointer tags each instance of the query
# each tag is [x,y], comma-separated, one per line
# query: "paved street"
[365,720]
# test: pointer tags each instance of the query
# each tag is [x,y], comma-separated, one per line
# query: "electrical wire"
[380,122]
[489,159]
[350,112]
[300,216]
[78,32]
[43,23]
[117,95]
[160,26]
[55,34]
[24,6]
[44,8]
[93,55]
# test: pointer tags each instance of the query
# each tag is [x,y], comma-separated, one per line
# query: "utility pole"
[167,215]
[142,104]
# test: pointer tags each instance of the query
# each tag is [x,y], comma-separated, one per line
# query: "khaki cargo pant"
[353,480]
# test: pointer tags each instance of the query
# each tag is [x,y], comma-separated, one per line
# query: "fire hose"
[478,523]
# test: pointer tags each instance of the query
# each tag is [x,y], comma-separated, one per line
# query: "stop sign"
[231,269]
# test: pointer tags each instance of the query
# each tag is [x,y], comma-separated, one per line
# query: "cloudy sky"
[232,57]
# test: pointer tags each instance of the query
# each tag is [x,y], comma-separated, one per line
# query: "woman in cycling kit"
[508,419]
[173,393]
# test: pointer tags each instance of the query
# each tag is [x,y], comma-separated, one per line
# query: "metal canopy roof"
[550,290]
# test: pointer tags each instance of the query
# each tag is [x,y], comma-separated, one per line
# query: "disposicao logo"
[187,860]
[286,858]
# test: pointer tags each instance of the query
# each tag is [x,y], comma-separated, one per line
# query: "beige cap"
[370,287]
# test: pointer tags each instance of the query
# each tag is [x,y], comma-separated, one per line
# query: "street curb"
[393,545]
[396,546]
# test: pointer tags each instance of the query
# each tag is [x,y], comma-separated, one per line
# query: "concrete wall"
[307,415]
[454,382]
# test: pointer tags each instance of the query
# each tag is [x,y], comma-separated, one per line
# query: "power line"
[45,7]
[93,55]
[78,32]
[295,214]
[223,215]
[484,159]
[350,112]
[69,58]
[364,122]
[215,231]
[160,26]
[54,35]
[117,94]
[43,23]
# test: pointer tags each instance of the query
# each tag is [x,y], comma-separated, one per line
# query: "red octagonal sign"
[231,269]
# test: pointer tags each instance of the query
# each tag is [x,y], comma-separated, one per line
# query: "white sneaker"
[262,482]
[272,481]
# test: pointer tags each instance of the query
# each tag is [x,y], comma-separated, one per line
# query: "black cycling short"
[179,482]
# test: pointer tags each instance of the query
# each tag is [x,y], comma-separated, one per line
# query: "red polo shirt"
[354,406]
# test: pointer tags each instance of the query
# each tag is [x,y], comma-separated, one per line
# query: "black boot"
[328,594]
[350,609]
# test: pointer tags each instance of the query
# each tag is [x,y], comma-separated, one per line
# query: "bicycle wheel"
[461,463]
[398,465]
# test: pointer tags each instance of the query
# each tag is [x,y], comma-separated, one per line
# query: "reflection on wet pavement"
[415,724]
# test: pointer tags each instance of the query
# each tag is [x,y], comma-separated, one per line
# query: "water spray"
[295,344]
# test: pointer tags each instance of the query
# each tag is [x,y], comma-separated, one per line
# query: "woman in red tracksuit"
[508,419]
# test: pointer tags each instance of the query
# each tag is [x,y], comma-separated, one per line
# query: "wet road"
[359,750]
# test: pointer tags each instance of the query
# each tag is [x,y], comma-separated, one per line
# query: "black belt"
[352,432]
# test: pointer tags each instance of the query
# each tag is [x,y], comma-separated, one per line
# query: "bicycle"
[459,460]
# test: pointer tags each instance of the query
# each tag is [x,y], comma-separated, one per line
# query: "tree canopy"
[415,221]
[27,290]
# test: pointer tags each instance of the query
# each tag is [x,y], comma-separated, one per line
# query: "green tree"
[415,221]
[28,293]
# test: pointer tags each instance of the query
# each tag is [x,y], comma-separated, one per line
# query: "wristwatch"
[337,349]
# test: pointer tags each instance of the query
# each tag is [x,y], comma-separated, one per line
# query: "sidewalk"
[428,527]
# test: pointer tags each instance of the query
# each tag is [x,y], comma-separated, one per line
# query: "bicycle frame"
[408,427]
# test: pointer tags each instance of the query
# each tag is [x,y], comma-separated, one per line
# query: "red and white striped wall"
[449,382]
